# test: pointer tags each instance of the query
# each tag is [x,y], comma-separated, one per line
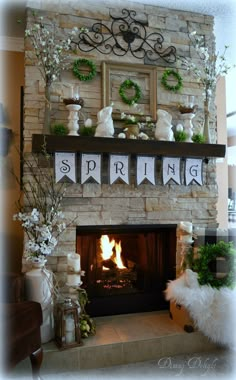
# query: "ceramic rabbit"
[163,126]
[105,126]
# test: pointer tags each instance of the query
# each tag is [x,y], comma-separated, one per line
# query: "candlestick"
[73,119]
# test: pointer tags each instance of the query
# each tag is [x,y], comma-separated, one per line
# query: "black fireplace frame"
[138,302]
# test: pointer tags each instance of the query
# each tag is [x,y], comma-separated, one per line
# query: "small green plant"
[87,131]
[87,324]
[59,129]
[180,136]
[198,138]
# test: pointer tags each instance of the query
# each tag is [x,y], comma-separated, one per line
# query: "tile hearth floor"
[134,346]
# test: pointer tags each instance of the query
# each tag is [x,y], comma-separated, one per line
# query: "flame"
[118,259]
[106,247]
[107,251]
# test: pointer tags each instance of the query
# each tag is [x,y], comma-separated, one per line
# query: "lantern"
[67,330]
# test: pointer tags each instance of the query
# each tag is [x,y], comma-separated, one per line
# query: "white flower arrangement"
[210,66]
[40,213]
[42,235]
[138,119]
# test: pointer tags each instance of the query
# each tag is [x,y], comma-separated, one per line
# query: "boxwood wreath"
[126,85]
[84,62]
[209,253]
[164,80]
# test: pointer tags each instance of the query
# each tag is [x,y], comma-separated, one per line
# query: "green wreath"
[165,77]
[84,62]
[207,255]
[127,84]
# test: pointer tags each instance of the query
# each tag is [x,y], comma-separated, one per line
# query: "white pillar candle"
[186,226]
[70,330]
[186,239]
[73,279]
[73,262]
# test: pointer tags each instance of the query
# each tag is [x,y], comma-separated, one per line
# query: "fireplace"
[126,266]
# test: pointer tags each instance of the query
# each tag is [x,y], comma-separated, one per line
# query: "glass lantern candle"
[67,330]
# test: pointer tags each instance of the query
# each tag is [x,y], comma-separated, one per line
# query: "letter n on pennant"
[171,170]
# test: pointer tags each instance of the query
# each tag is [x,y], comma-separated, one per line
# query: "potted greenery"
[59,129]
[198,138]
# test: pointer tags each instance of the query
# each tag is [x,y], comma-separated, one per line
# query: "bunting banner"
[65,166]
[119,168]
[193,171]
[90,167]
[171,170]
[145,169]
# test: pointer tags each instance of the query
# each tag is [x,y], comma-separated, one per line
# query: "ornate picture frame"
[143,76]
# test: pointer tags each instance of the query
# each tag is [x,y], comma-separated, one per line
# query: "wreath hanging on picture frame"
[172,73]
[208,254]
[126,85]
[84,62]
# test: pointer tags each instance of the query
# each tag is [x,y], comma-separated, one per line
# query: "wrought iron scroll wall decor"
[125,35]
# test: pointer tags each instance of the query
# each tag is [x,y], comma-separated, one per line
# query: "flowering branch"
[209,67]
[49,50]
[40,212]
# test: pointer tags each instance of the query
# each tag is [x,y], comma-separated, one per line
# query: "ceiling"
[224,12]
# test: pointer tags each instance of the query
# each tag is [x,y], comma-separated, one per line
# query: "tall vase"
[47,110]
[39,282]
[206,127]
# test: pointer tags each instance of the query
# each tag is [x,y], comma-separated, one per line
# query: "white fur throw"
[212,310]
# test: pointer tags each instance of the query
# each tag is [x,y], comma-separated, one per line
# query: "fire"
[118,259]
[108,247]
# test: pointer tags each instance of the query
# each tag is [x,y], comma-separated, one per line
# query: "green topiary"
[180,136]
[207,254]
[59,129]
[198,138]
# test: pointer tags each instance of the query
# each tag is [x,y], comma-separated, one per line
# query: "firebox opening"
[126,266]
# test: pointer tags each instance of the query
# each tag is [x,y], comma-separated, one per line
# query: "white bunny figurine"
[163,129]
[105,126]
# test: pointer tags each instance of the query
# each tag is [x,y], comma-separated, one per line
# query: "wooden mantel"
[134,147]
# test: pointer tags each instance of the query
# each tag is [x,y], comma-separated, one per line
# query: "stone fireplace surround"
[93,204]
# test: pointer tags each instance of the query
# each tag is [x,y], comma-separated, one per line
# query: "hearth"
[126,266]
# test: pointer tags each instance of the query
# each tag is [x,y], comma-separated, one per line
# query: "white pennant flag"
[65,166]
[171,169]
[145,169]
[119,168]
[90,167]
[193,170]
